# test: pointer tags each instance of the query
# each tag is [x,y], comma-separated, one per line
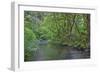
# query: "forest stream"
[56,35]
[47,51]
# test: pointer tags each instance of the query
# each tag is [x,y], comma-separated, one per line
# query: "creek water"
[47,51]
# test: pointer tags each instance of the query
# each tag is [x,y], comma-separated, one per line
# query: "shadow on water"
[47,51]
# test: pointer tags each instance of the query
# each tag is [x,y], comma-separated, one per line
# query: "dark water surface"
[47,51]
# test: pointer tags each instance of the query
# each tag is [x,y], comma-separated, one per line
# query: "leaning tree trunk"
[88,26]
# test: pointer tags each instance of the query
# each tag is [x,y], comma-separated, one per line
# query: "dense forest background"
[54,30]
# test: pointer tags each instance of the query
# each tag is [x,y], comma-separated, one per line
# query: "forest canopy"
[65,29]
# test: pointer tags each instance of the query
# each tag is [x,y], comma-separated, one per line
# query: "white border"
[18,37]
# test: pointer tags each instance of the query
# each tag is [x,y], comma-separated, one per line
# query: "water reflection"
[48,51]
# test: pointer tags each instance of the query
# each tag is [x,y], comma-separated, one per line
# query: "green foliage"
[71,29]
[29,37]
[67,29]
